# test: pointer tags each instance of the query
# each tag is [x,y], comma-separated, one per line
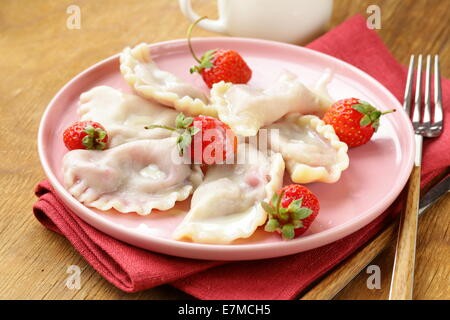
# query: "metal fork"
[425,125]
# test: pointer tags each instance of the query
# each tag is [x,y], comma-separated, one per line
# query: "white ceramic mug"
[294,21]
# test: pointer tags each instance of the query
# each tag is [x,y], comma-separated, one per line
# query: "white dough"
[226,206]
[246,109]
[137,176]
[311,149]
[142,73]
[124,116]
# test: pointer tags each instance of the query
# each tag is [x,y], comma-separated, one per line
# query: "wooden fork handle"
[403,272]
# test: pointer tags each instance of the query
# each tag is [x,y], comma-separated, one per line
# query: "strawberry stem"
[153,126]
[183,126]
[389,111]
[189,33]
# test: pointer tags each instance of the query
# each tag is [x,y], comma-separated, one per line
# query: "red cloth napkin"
[132,269]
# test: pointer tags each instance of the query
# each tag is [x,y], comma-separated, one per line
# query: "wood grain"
[39,55]
[329,287]
[403,275]
[332,283]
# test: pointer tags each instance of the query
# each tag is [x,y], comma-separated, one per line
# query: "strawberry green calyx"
[285,220]
[93,138]
[205,62]
[184,128]
[184,140]
[371,114]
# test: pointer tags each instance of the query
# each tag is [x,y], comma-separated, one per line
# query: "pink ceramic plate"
[377,173]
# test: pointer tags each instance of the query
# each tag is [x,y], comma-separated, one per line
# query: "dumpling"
[311,149]
[142,73]
[226,206]
[124,116]
[138,176]
[323,98]
[246,109]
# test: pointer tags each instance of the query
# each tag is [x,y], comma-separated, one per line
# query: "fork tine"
[408,88]
[427,99]
[438,116]
[418,95]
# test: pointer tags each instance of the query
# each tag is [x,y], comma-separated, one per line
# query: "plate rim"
[224,252]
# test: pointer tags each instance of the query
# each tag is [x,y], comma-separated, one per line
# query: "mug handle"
[208,24]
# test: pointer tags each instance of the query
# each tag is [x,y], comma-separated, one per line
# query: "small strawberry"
[88,135]
[216,141]
[354,120]
[291,211]
[207,139]
[219,64]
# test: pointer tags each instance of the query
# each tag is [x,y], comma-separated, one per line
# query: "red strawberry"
[219,64]
[291,211]
[222,65]
[85,135]
[354,120]
[215,142]
[209,140]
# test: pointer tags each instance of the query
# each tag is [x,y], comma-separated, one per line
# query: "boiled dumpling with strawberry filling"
[311,149]
[246,109]
[124,115]
[138,176]
[227,205]
[148,80]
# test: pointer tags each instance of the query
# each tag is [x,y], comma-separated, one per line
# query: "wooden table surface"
[39,54]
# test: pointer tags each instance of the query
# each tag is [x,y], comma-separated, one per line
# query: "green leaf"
[364,107]
[208,54]
[297,224]
[206,65]
[376,124]
[360,108]
[364,121]
[272,225]
[100,145]
[90,131]
[288,231]
[268,208]
[283,215]
[193,130]
[194,69]
[88,142]
[188,121]
[206,62]
[182,122]
[364,103]
[369,108]
[375,115]
[183,141]
[301,213]
[283,211]
[186,139]
[296,204]
[274,200]
[179,121]
[101,134]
